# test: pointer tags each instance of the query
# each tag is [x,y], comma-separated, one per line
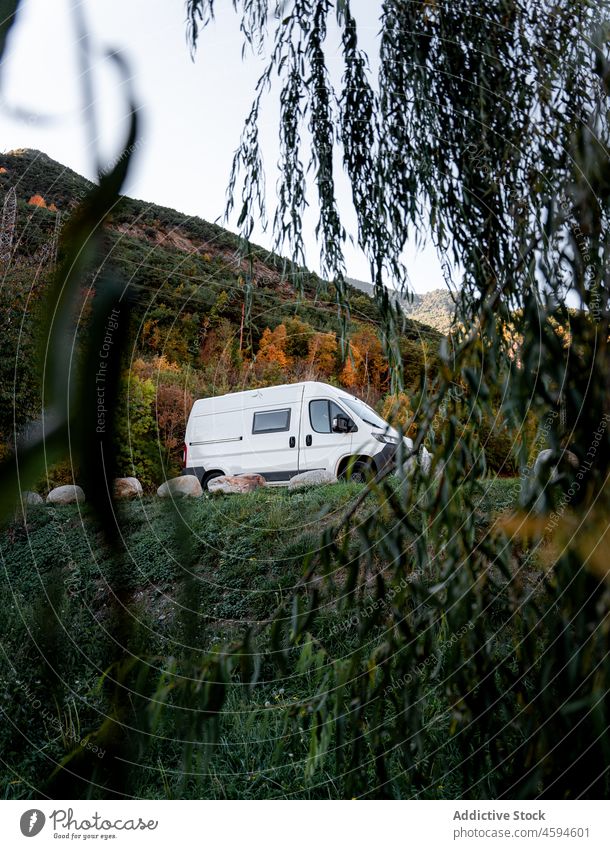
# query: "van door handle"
[308,439]
[292,442]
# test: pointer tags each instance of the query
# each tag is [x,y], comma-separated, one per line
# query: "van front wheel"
[358,472]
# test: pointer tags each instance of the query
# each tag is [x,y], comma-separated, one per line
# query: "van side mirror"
[341,424]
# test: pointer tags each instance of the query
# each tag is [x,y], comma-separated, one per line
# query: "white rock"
[425,460]
[68,494]
[236,484]
[411,461]
[186,486]
[543,461]
[127,488]
[317,477]
[28,497]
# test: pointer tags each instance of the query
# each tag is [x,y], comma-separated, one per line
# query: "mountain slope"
[434,308]
[164,240]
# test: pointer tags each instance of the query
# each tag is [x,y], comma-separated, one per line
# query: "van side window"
[271,421]
[319,416]
[322,413]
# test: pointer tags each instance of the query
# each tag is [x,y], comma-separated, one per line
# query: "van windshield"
[366,413]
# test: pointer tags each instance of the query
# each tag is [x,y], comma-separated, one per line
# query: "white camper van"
[281,431]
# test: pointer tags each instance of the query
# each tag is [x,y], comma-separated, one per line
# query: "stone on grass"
[236,484]
[127,488]
[68,494]
[543,460]
[317,477]
[30,498]
[186,486]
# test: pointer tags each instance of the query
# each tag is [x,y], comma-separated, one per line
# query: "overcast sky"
[192,112]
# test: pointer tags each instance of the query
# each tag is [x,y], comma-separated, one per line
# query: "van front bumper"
[386,459]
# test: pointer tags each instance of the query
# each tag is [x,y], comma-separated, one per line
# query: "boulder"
[236,484]
[186,486]
[411,461]
[425,460]
[30,498]
[543,460]
[317,477]
[68,494]
[127,488]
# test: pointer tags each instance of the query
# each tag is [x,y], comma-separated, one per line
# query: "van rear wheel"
[209,476]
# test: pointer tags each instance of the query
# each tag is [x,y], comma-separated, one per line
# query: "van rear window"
[271,421]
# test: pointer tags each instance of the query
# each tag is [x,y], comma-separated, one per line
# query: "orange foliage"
[153,368]
[322,354]
[374,365]
[173,407]
[37,200]
[272,347]
[397,411]
[365,366]
[151,334]
[218,344]
[349,376]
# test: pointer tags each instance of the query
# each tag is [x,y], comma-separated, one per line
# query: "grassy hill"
[154,244]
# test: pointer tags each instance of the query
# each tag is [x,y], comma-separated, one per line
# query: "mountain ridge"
[434,308]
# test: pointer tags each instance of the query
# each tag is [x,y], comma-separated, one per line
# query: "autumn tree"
[365,365]
[298,336]
[219,356]
[172,407]
[350,374]
[397,411]
[322,355]
[273,346]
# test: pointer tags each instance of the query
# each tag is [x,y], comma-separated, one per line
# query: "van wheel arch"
[362,461]
[208,476]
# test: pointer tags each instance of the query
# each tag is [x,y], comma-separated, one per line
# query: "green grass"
[194,576]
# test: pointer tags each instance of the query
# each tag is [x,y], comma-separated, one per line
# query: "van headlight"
[383,437]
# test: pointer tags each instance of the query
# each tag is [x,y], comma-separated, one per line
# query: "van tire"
[209,476]
[358,472]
